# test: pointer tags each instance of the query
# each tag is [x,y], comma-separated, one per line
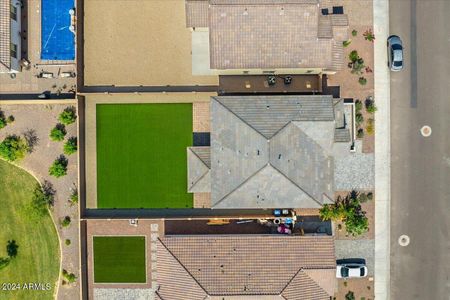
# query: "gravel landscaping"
[36,120]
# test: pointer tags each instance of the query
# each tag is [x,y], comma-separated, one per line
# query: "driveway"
[356,249]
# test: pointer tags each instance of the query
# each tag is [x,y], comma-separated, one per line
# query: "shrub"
[70,277]
[4,261]
[59,167]
[67,242]
[363,198]
[43,198]
[370,196]
[350,296]
[68,116]
[354,32]
[346,43]
[10,119]
[358,106]
[11,248]
[2,122]
[65,222]
[13,148]
[360,133]
[58,133]
[370,128]
[362,81]
[370,106]
[369,35]
[359,118]
[73,199]
[70,146]
[349,211]
[353,56]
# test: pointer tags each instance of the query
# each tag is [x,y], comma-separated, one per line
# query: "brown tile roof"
[5,35]
[174,280]
[197,13]
[303,287]
[243,265]
[241,37]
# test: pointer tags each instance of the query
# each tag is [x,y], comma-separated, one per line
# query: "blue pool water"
[57,41]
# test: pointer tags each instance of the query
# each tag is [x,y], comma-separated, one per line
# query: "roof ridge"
[284,175]
[312,280]
[241,184]
[289,282]
[193,152]
[243,121]
[179,262]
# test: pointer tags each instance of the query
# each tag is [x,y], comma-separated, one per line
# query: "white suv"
[351,270]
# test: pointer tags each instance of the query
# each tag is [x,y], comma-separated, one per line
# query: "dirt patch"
[133,42]
[361,288]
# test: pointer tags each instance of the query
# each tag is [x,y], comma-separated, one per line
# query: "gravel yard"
[37,120]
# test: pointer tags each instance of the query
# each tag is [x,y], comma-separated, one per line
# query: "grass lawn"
[141,155]
[38,255]
[119,259]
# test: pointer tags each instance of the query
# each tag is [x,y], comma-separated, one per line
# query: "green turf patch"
[141,155]
[119,259]
[37,259]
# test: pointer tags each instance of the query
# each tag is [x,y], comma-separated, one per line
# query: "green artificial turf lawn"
[141,155]
[38,256]
[119,259]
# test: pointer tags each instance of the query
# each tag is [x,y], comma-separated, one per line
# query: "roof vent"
[245,12]
[271,80]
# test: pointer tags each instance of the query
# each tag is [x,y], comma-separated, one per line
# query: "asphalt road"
[420,167]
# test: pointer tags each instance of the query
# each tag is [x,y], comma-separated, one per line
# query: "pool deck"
[26,81]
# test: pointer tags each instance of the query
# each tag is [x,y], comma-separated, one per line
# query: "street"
[420,166]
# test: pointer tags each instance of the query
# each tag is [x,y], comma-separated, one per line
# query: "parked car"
[351,268]
[395,53]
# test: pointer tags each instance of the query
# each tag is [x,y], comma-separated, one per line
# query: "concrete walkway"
[382,151]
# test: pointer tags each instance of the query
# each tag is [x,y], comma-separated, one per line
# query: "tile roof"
[197,13]
[271,151]
[190,267]
[5,35]
[199,174]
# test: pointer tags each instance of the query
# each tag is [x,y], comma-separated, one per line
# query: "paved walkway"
[382,151]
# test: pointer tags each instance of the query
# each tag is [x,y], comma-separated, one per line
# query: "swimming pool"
[57,41]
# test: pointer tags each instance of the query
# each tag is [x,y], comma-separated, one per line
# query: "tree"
[68,116]
[59,167]
[65,222]
[70,146]
[349,211]
[58,133]
[11,248]
[70,277]
[43,198]
[4,261]
[13,148]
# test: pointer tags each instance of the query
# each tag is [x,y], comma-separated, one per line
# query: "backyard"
[119,259]
[141,155]
[38,256]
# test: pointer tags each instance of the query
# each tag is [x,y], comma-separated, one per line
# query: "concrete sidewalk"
[382,151]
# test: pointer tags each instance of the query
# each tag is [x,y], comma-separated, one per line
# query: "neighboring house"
[266,267]
[10,36]
[271,151]
[265,36]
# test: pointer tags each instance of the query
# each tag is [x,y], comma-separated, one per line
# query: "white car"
[351,270]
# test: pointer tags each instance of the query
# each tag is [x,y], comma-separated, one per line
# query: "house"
[236,267]
[265,36]
[271,151]
[10,36]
